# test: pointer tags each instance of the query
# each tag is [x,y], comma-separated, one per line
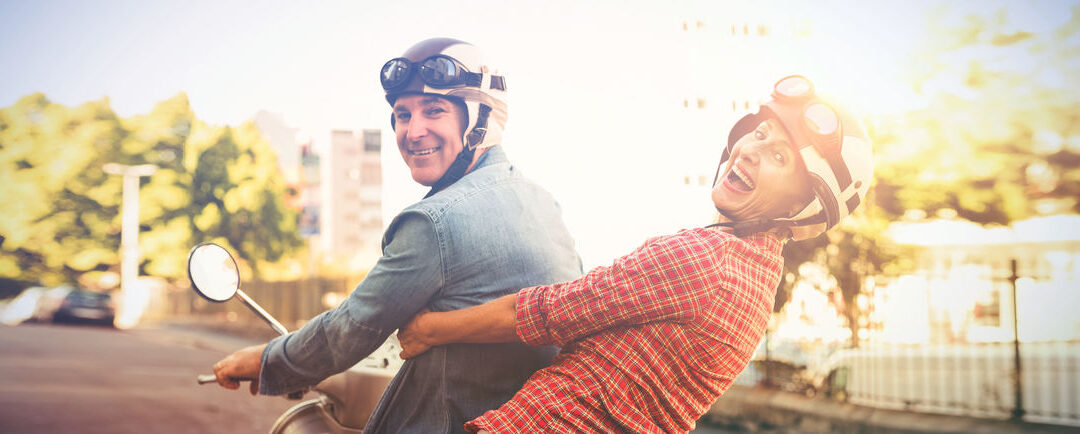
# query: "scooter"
[345,400]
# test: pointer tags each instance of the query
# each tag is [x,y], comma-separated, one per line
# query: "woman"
[650,342]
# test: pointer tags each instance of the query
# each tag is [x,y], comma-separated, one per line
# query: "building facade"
[282,138]
[351,211]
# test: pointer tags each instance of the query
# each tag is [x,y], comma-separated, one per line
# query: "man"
[483,231]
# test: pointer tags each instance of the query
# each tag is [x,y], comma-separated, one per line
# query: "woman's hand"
[415,339]
[243,365]
[488,323]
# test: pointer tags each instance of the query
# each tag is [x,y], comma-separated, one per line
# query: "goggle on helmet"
[455,69]
[833,145]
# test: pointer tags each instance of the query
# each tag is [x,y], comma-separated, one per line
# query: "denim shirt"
[489,234]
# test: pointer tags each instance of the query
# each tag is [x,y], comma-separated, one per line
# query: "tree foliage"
[62,211]
[998,141]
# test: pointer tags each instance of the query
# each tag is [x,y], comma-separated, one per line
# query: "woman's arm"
[671,278]
[491,322]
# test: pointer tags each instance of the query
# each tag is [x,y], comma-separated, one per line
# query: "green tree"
[998,141]
[213,183]
[61,204]
[236,199]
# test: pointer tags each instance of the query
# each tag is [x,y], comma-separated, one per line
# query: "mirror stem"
[274,324]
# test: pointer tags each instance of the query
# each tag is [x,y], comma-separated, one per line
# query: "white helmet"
[833,145]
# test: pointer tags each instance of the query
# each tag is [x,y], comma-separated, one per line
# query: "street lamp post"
[129,228]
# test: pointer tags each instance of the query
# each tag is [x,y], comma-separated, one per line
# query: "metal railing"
[992,361]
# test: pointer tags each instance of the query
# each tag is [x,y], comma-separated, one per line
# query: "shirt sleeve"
[667,279]
[402,282]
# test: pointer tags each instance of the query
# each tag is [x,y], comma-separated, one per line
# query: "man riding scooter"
[482,231]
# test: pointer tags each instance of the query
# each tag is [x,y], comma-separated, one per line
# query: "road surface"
[85,379]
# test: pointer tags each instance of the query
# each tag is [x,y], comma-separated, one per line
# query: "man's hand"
[243,365]
[414,336]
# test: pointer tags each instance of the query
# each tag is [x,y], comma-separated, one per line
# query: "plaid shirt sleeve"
[660,281]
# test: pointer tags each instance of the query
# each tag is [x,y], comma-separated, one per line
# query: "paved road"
[82,379]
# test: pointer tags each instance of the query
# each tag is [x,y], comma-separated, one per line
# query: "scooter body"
[346,402]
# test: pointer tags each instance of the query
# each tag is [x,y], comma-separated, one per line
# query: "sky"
[596,88]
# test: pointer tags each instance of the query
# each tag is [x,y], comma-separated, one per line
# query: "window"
[988,309]
[371,173]
[372,140]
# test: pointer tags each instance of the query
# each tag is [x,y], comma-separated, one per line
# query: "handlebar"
[210,378]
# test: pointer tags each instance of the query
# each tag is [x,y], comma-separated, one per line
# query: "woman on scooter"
[650,342]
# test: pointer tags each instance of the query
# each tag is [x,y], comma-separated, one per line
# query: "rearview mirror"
[213,272]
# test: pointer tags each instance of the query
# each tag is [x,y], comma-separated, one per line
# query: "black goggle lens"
[440,71]
[394,73]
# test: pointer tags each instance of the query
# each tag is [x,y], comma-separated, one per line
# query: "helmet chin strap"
[464,158]
[454,172]
[750,227]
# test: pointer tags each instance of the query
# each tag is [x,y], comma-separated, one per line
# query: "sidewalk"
[756,409]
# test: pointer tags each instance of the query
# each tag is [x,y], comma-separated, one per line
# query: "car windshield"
[91,297]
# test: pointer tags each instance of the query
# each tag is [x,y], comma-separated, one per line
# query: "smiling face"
[429,130]
[764,178]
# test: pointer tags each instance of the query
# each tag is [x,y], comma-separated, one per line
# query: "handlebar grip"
[207,379]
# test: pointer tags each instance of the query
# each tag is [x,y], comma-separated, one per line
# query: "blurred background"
[130,131]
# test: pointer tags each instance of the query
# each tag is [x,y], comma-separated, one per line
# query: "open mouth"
[423,152]
[738,179]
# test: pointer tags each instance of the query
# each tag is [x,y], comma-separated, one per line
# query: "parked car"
[86,306]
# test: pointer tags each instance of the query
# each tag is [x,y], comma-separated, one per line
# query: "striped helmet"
[833,145]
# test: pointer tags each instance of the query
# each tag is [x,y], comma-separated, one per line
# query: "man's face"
[765,177]
[429,130]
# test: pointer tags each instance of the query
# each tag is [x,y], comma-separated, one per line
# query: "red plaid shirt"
[649,343]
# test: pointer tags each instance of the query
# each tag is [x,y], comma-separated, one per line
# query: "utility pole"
[1018,382]
[129,232]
